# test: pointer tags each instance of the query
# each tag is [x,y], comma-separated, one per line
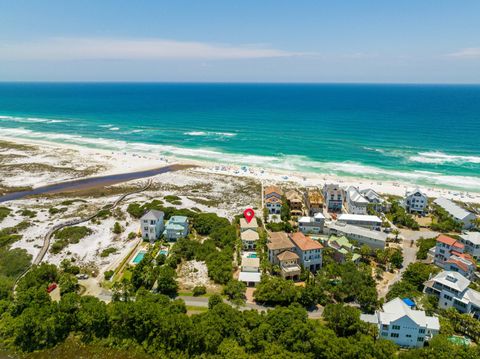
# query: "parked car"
[51,287]
[82,276]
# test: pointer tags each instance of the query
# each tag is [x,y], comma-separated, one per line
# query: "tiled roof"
[249,235]
[279,240]
[303,242]
[287,256]
[273,189]
[449,241]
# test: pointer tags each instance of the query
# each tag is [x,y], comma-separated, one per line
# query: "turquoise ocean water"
[422,134]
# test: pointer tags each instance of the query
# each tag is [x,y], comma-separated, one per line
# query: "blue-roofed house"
[176,227]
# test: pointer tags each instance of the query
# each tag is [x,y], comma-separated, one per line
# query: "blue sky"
[420,41]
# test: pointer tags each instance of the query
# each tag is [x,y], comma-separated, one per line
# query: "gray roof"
[355,196]
[396,309]
[473,237]
[409,193]
[371,195]
[153,213]
[452,280]
[360,231]
[453,209]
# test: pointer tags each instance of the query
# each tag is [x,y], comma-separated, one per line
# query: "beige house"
[250,271]
[314,200]
[289,266]
[295,202]
[281,251]
[249,239]
[244,225]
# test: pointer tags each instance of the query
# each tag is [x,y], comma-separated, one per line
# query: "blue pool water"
[138,258]
[252,255]
[425,134]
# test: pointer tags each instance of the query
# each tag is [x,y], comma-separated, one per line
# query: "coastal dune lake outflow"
[424,134]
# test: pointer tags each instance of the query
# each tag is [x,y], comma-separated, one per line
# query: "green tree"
[235,291]
[117,228]
[166,282]
[343,319]
[276,290]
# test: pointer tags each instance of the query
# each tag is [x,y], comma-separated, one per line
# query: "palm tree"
[396,232]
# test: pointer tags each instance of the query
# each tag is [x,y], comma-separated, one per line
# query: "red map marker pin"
[249,214]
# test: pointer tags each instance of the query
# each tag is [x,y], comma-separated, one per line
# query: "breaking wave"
[293,163]
[29,119]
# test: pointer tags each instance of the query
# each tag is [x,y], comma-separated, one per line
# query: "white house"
[249,239]
[355,203]
[176,227]
[458,213]
[152,224]
[471,240]
[452,290]
[401,324]
[379,204]
[312,225]
[308,251]
[373,239]
[333,195]
[250,271]
[361,220]
[415,201]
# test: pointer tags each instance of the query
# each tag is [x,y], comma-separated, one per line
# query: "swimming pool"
[139,257]
[252,255]
[164,251]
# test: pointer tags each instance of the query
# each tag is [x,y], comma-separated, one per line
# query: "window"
[385,326]
[394,335]
[447,297]
[420,339]
[408,335]
[396,327]
[384,334]
[421,331]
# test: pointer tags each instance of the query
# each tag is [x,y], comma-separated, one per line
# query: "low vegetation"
[69,235]
[443,222]
[4,212]
[424,245]
[399,216]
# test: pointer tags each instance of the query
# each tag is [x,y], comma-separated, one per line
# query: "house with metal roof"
[355,203]
[401,324]
[176,227]
[452,290]
[152,224]
[361,220]
[471,240]
[458,213]
[373,239]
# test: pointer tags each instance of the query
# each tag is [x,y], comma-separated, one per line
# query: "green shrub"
[106,252]
[108,274]
[4,212]
[199,290]
[54,210]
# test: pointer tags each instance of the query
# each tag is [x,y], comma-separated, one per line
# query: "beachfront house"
[250,271]
[176,227]
[375,200]
[311,225]
[415,201]
[401,324]
[333,195]
[449,255]
[452,290]
[152,225]
[373,239]
[471,240]
[249,239]
[355,203]
[245,225]
[295,202]
[458,213]
[308,250]
[343,249]
[313,200]
[361,220]
[273,199]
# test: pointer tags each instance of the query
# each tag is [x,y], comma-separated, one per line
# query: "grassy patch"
[4,212]
[69,235]
[193,308]
[206,202]
[6,145]
[55,210]
[106,252]
[173,199]
[28,213]
[69,202]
